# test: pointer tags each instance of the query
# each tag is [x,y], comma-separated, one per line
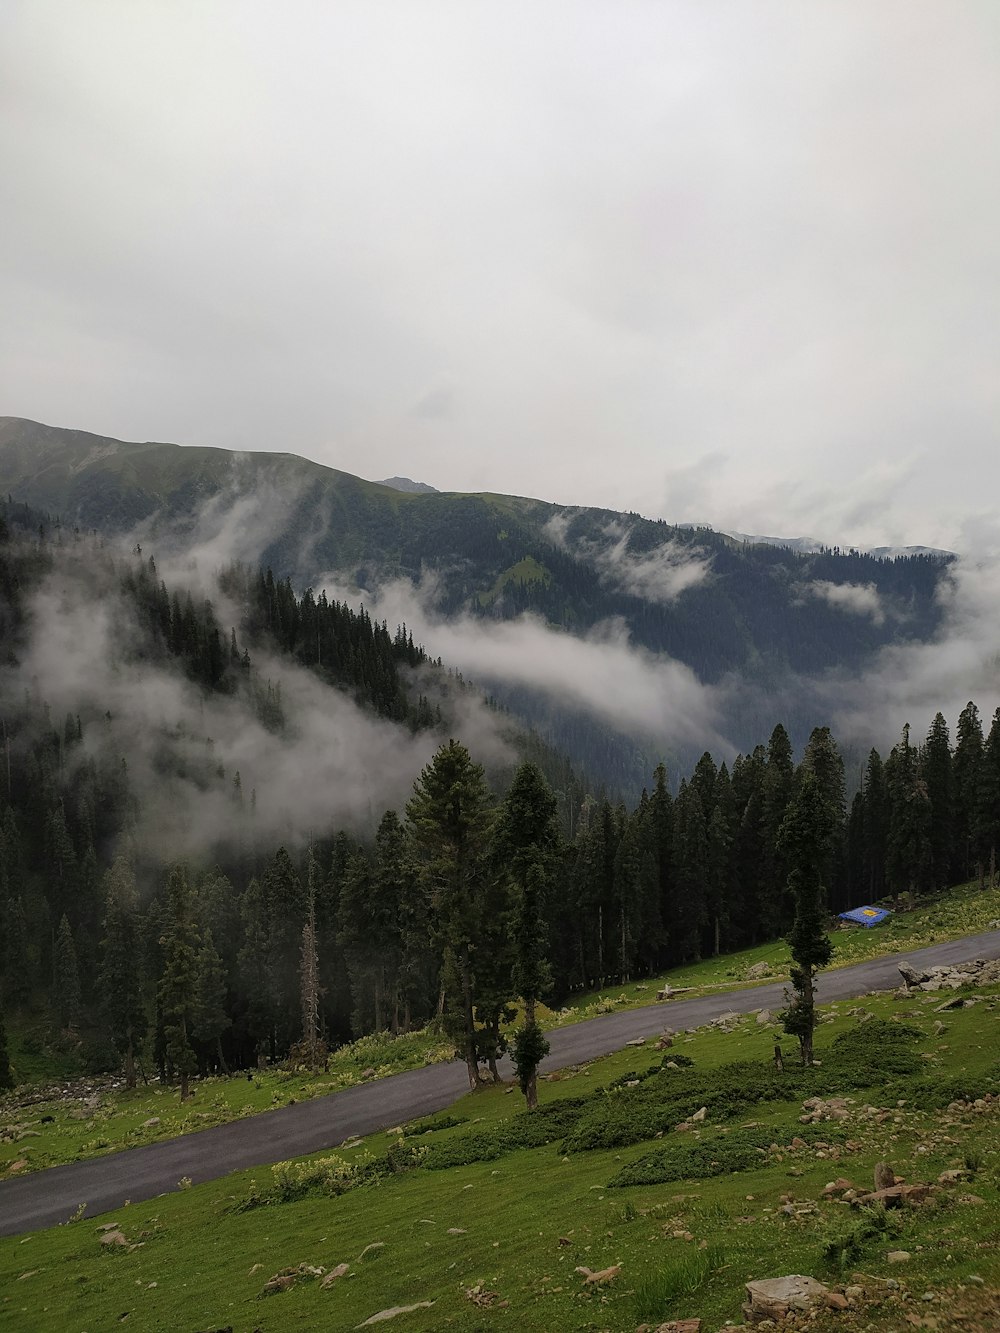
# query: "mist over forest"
[197,750]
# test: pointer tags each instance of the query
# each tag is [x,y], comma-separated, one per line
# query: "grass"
[515,1229]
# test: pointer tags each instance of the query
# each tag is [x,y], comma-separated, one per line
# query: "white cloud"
[858,599]
[603,673]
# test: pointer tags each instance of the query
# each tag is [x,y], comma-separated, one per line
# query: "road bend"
[46,1198]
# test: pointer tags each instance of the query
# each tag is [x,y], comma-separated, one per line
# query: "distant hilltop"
[407,484]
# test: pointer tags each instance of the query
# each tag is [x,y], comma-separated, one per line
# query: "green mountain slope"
[769,615]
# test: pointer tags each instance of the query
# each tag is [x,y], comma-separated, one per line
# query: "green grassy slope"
[515,1228]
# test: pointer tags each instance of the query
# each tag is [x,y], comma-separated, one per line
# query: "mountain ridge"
[694,600]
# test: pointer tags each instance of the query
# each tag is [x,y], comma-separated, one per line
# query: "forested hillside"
[188,874]
[766,619]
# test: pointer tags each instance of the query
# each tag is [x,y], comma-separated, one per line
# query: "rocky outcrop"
[773,1297]
[980,972]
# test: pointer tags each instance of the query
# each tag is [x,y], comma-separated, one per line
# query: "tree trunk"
[531,1093]
[718,937]
[130,1063]
[808,999]
[468,1015]
[222,1059]
[378,1000]
[184,1085]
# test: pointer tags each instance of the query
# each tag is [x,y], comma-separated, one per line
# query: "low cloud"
[858,599]
[657,575]
[332,766]
[604,673]
[910,682]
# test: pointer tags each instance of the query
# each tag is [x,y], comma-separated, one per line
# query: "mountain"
[408,484]
[688,611]
[812,545]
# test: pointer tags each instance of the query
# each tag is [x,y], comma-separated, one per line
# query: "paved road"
[49,1197]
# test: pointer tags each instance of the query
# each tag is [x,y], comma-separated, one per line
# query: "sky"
[722,261]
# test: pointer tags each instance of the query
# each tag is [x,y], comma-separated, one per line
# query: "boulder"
[758,970]
[333,1276]
[913,976]
[774,1297]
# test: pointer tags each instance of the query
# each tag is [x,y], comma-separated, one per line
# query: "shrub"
[722,1154]
[527,1130]
[843,1250]
[434,1122]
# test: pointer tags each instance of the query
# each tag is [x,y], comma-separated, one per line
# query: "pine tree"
[805,835]
[967,768]
[936,767]
[690,872]
[177,989]
[309,970]
[990,795]
[120,977]
[209,1014]
[874,827]
[449,817]
[908,862]
[67,976]
[531,979]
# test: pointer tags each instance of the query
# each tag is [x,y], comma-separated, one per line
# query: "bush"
[532,1129]
[844,1250]
[685,1158]
[433,1123]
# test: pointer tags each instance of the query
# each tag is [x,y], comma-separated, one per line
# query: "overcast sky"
[730,262]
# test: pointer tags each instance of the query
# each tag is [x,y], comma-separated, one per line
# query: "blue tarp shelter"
[866,916]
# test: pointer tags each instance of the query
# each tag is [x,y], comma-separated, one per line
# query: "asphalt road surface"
[46,1198]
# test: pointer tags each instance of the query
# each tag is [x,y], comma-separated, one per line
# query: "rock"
[764,1017]
[333,1275]
[854,1293]
[951,1177]
[456,1231]
[884,1176]
[153,1120]
[698,1116]
[367,1073]
[590,1278]
[375,1248]
[114,1237]
[280,1282]
[898,1256]
[679,1326]
[288,1277]
[773,1297]
[758,970]
[636,1041]
[839,1186]
[481,1295]
[896,1196]
[913,976]
[384,1315]
[836,1301]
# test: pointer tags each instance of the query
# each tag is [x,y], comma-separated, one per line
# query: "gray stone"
[772,1298]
